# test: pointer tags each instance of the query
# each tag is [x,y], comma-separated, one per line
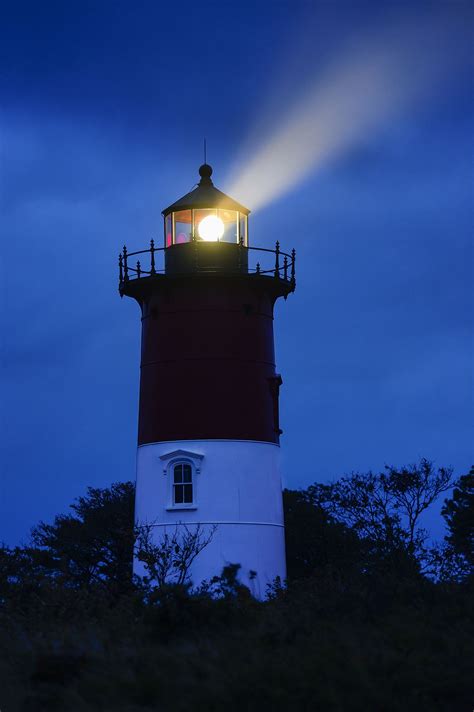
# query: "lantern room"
[206,233]
[206,214]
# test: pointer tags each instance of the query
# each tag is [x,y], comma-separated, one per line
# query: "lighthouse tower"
[209,431]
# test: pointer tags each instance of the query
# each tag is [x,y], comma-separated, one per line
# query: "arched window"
[182,470]
[183,483]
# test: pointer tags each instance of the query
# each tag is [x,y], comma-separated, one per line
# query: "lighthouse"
[208,428]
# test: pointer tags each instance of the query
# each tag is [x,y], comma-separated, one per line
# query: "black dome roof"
[205,195]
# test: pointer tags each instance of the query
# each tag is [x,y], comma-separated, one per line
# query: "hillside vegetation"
[373,617]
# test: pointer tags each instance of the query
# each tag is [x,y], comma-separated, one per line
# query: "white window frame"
[183,484]
[181,457]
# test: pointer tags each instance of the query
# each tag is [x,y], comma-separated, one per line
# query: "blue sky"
[105,106]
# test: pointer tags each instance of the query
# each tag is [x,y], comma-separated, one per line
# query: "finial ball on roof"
[205,171]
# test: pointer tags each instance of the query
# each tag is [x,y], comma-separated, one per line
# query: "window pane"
[187,473]
[182,226]
[178,494]
[178,473]
[168,231]
[243,228]
[229,218]
[188,494]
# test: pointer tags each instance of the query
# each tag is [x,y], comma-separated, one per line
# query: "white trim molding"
[171,457]
[210,440]
[177,524]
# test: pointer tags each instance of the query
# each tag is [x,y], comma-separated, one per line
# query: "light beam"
[380,78]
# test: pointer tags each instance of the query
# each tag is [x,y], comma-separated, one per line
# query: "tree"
[168,559]
[93,546]
[94,549]
[411,490]
[315,540]
[458,512]
[385,509]
[18,569]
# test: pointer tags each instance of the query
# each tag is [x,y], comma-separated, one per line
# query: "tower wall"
[207,360]
[237,488]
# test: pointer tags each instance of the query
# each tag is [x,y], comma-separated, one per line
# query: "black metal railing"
[282,263]
[128,271]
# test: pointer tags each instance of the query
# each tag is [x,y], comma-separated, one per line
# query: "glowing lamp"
[211,228]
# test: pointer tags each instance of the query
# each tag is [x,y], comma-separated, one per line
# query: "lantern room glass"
[182,227]
[230,218]
[243,229]
[224,226]
[168,231]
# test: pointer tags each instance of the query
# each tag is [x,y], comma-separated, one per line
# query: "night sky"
[105,106]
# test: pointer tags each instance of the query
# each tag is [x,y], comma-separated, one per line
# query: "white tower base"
[236,486]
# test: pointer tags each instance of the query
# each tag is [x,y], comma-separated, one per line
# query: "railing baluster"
[285,268]
[258,268]
[152,250]
[241,244]
[277,259]
[138,269]
[120,268]
[125,265]
[293,260]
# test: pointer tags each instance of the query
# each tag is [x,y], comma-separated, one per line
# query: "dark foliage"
[169,561]
[359,625]
[385,510]
[315,541]
[458,512]
[93,546]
